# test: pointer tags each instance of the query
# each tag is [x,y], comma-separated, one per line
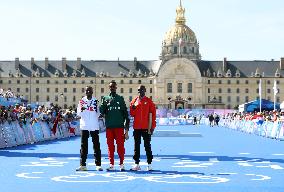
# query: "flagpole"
[274,93]
[259,91]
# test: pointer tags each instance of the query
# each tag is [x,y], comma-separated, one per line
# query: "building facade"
[179,79]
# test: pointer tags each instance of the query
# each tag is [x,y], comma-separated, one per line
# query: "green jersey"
[114,109]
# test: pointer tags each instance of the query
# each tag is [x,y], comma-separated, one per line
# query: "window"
[238,81]
[9,81]
[37,90]
[208,91]
[47,90]
[74,90]
[130,90]
[277,82]
[47,98]
[179,87]
[47,82]
[27,81]
[74,98]
[268,82]
[37,98]
[65,98]
[83,81]
[220,81]
[56,82]
[278,90]
[278,99]
[184,50]
[151,82]
[238,99]
[121,90]
[246,99]
[229,82]
[208,82]
[192,49]
[269,98]
[139,81]
[189,87]
[208,99]
[65,81]
[268,91]
[229,90]
[229,98]
[220,99]
[247,90]
[37,81]
[56,90]
[74,82]
[169,87]
[130,98]
[91,82]
[65,90]
[102,81]
[102,90]
[27,90]
[56,98]
[247,82]
[151,90]
[18,90]
[175,50]
[220,90]
[257,90]
[83,90]
[238,90]
[18,81]
[257,82]
[1,82]
[121,82]
[130,81]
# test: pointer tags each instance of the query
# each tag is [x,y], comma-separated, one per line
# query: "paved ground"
[192,158]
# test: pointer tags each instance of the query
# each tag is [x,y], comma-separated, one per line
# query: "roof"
[119,68]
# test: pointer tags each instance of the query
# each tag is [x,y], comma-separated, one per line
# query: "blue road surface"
[186,158]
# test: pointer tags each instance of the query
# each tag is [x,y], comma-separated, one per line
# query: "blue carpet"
[192,158]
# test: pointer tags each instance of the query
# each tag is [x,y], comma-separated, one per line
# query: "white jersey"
[89,116]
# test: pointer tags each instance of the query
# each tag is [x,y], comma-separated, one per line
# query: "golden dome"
[180,30]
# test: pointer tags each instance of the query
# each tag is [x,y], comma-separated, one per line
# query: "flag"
[54,128]
[275,90]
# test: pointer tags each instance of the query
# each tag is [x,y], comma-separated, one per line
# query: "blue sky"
[108,29]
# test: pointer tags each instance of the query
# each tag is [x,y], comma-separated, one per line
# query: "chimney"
[17,63]
[46,63]
[32,62]
[64,63]
[282,63]
[78,63]
[225,64]
[135,62]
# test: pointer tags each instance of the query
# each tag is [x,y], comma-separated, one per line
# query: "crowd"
[21,112]
[271,116]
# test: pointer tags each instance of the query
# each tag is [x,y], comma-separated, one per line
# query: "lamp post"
[62,97]
[189,100]
[169,99]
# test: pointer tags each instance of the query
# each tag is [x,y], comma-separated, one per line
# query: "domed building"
[179,79]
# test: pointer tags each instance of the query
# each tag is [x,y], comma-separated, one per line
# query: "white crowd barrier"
[268,129]
[14,134]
